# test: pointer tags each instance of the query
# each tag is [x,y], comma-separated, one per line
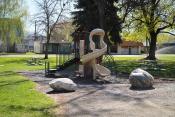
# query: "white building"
[39,45]
[20,48]
[27,45]
[127,48]
[53,47]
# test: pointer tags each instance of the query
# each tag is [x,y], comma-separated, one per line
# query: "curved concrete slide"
[90,58]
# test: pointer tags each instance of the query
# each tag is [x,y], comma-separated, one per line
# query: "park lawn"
[163,67]
[20,63]
[18,97]
[161,57]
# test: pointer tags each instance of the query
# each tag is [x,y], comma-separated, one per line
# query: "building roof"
[131,44]
[62,24]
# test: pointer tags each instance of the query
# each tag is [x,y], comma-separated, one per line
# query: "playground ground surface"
[110,100]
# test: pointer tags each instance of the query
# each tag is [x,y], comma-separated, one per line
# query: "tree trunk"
[46,46]
[46,51]
[101,10]
[152,49]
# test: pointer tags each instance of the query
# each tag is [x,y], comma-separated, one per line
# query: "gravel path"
[111,100]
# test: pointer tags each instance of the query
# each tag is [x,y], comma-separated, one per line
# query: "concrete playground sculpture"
[89,66]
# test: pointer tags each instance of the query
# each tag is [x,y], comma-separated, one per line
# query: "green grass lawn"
[18,97]
[20,63]
[163,67]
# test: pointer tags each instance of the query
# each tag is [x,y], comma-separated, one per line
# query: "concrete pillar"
[89,70]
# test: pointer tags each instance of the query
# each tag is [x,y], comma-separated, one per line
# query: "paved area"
[117,100]
[111,100]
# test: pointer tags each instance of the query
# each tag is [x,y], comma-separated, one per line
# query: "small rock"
[141,79]
[63,84]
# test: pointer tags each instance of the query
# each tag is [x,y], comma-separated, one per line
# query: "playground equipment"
[89,61]
[88,48]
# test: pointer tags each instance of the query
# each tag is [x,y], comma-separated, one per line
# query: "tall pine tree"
[98,14]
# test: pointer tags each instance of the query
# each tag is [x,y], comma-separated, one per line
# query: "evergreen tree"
[98,14]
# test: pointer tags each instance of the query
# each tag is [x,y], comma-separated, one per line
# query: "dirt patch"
[111,100]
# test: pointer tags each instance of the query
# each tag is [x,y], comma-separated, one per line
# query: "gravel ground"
[110,100]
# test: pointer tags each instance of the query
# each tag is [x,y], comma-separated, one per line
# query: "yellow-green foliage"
[142,34]
[165,38]
[148,18]
[136,35]
[11,30]
[12,13]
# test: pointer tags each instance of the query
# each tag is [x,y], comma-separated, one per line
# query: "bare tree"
[50,13]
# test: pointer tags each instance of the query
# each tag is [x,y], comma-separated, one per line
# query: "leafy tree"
[155,16]
[162,38]
[11,31]
[141,36]
[11,24]
[98,14]
[136,35]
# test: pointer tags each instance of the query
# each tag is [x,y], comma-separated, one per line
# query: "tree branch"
[59,15]
[167,33]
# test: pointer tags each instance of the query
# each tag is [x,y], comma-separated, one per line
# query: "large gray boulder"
[63,84]
[141,79]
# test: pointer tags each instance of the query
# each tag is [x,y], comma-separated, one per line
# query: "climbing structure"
[89,61]
[88,48]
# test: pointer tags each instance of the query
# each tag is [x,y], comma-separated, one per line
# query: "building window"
[114,48]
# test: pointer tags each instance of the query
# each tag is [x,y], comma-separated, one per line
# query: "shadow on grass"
[26,109]
[13,83]
[7,73]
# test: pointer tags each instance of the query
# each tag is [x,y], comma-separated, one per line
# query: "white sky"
[32,9]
